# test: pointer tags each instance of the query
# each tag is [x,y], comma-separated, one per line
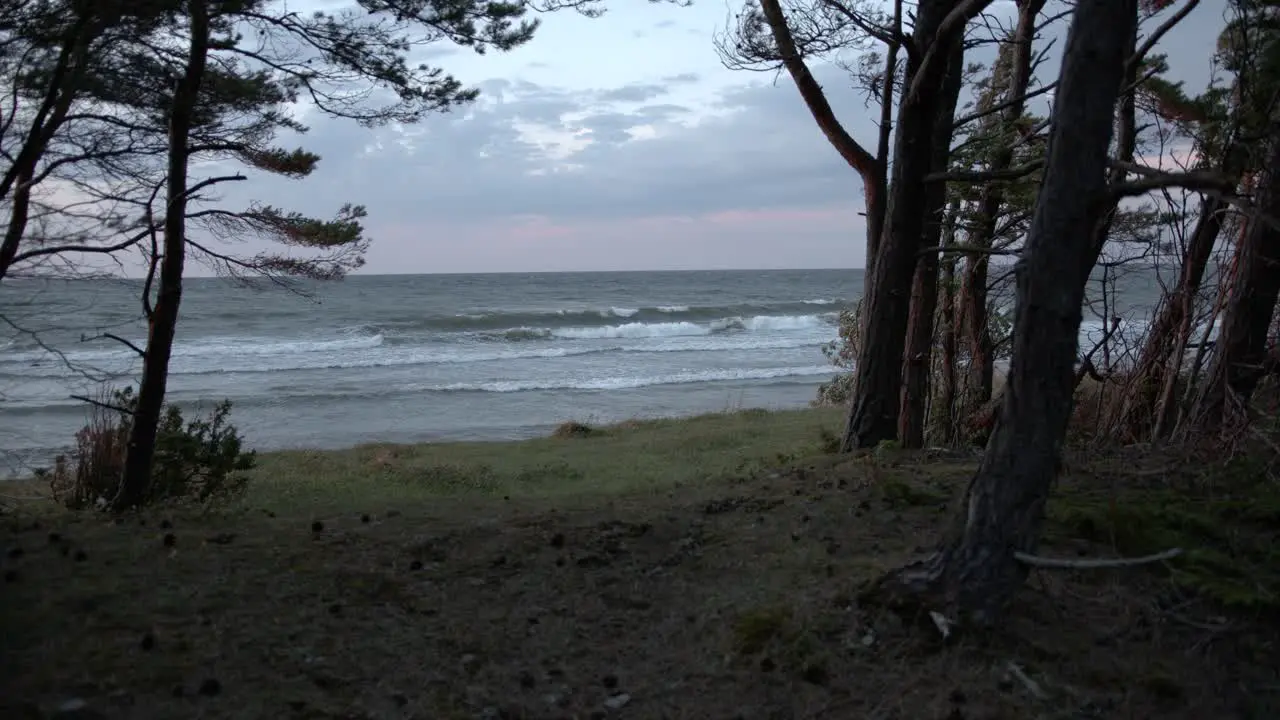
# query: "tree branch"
[99,249]
[1200,180]
[99,403]
[955,21]
[1014,173]
[966,119]
[126,343]
[852,152]
[966,250]
[1159,33]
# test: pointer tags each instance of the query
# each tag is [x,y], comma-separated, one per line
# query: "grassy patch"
[576,462]
[1225,516]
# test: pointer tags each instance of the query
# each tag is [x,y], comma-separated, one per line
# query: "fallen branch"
[1093,563]
[1032,686]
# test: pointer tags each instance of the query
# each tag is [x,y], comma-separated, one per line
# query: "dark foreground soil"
[734,600]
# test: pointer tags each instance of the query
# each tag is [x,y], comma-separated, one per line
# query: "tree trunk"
[977,570]
[873,414]
[980,373]
[164,314]
[869,168]
[918,358]
[945,415]
[50,116]
[1147,411]
[1240,354]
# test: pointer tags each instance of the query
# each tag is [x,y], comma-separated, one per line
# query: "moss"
[901,494]
[753,629]
[1228,537]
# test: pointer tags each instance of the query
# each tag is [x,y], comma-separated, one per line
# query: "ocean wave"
[348,340]
[630,382]
[481,320]
[387,356]
[636,330]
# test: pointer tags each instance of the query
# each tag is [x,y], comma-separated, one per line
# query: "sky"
[617,143]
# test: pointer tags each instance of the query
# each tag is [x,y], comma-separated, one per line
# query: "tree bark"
[1240,354]
[945,414]
[873,414]
[980,373]
[918,358]
[136,482]
[977,571]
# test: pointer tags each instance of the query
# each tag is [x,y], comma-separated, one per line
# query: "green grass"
[634,457]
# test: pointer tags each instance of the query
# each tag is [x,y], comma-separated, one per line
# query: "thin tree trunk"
[976,572]
[868,167]
[876,186]
[873,414]
[980,373]
[48,119]
[1240,354]
[918,357]
[945,416]
[164,316]
[1149,398]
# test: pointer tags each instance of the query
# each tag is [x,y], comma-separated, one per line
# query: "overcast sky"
[619,143]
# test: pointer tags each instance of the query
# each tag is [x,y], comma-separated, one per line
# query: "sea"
[413,358]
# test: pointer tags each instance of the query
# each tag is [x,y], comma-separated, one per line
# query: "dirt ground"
[733,600]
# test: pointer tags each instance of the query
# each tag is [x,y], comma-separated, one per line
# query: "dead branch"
[1093,563]
[1014,173]
[126,343]
[891,36]
[966,119]
[1192,180]
[1160,32]
[1032,686]
[101,404]
[967,250]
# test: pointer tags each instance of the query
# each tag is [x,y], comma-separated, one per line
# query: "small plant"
[828,441]
[200,459]
[573,429]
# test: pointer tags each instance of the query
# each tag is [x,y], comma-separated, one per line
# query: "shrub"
[201,459]
[842,352]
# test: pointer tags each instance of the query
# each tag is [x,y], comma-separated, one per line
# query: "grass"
[577,463]
[696,568]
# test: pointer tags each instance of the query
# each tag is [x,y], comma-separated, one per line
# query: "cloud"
[654,174]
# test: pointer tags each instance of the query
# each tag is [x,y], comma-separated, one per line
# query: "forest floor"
[705,568]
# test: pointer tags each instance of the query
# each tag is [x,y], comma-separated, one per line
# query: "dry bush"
[93,475]
[572,429]
[201,459]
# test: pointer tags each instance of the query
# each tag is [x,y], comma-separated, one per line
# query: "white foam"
[673,308]
[781,323]
[632,330]
[623,383]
